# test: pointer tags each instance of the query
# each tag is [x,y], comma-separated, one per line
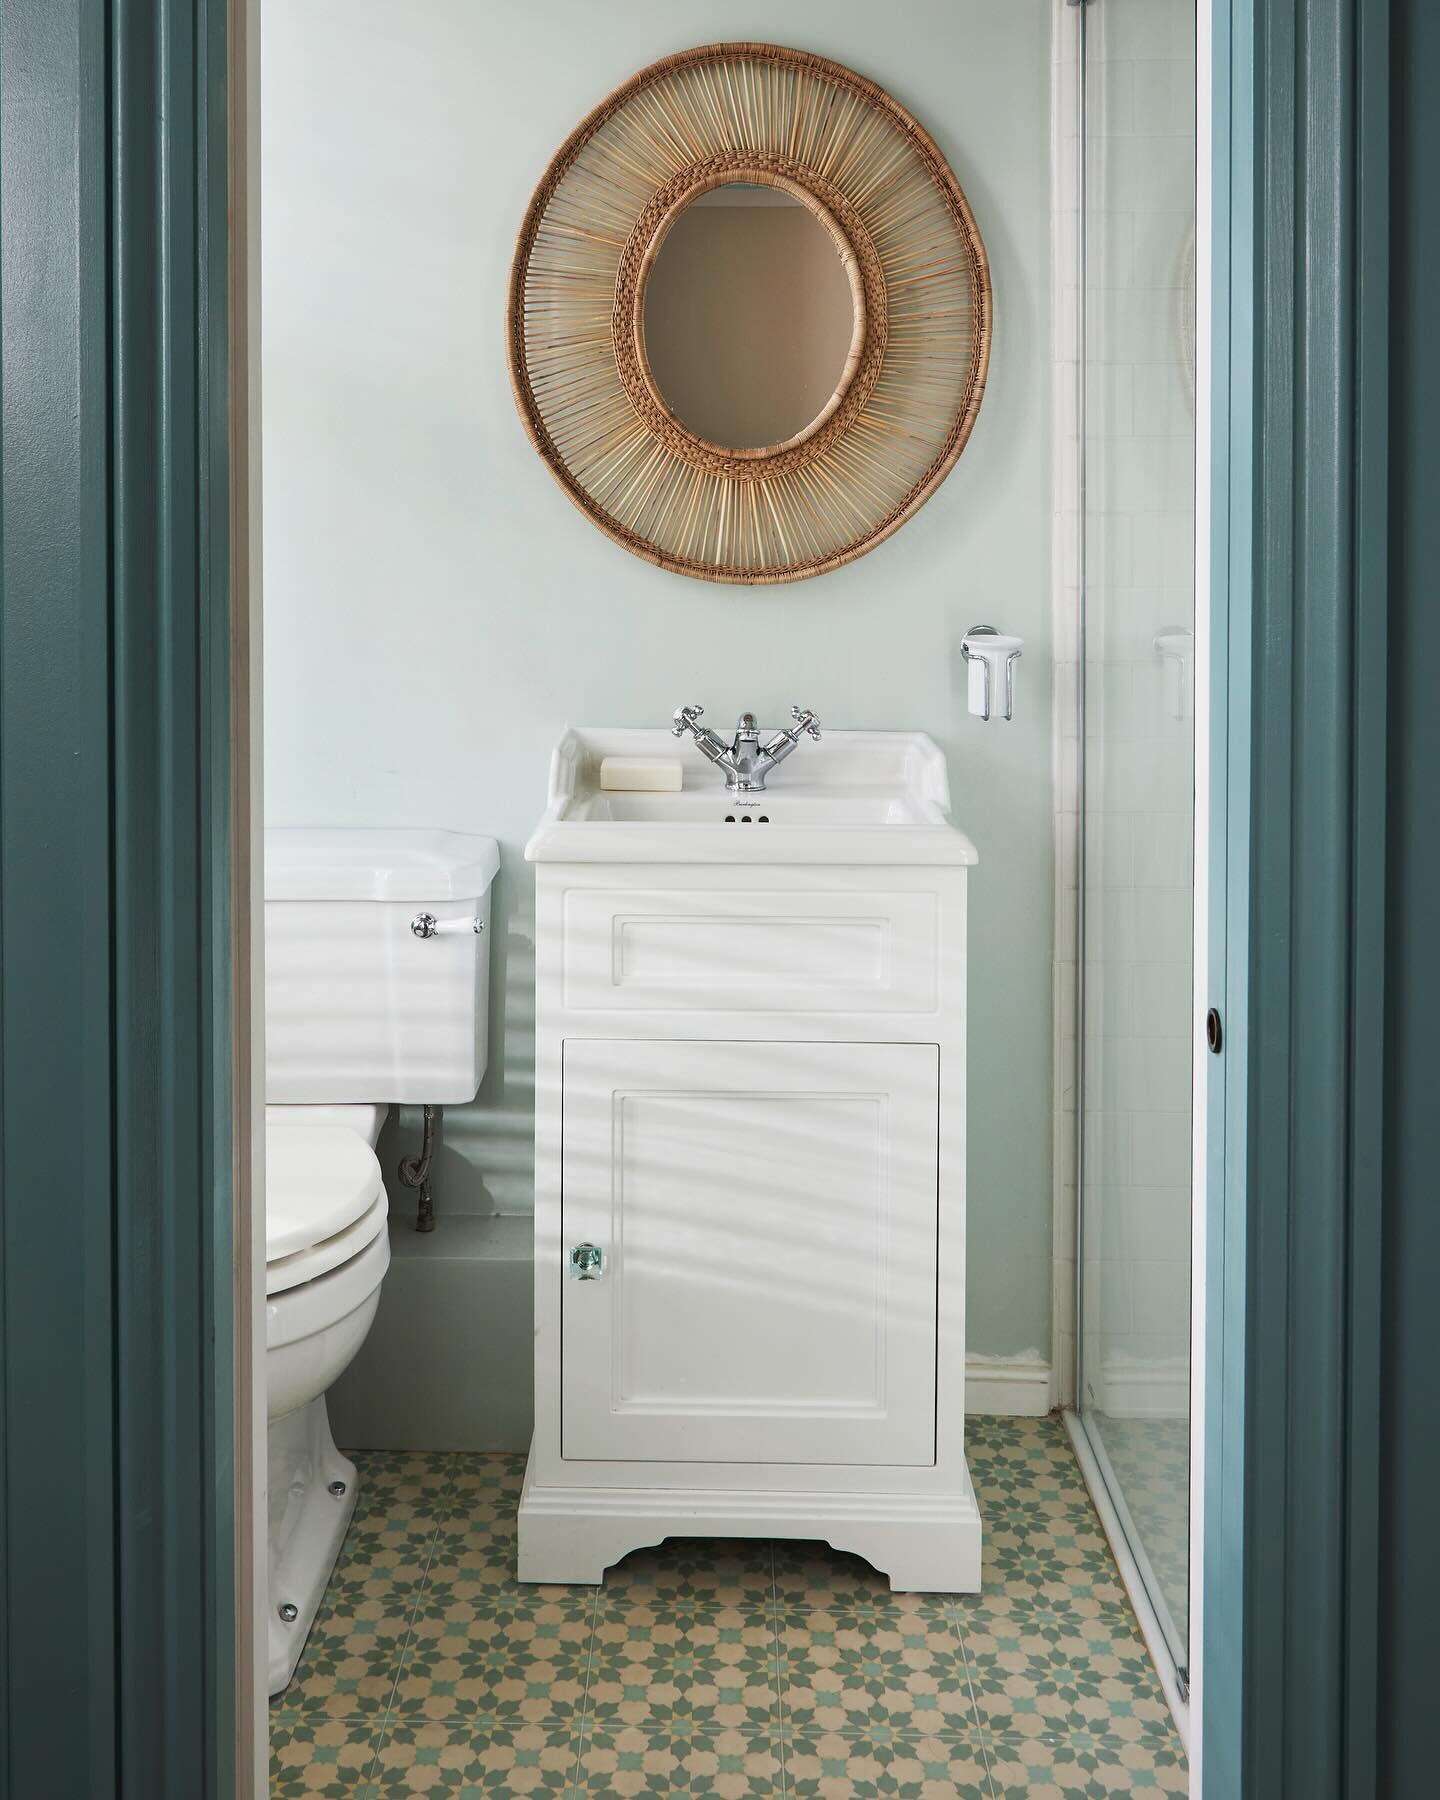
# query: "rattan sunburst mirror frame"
[906,403]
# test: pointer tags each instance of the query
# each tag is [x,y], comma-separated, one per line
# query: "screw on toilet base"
[337,1488]
[289,1612]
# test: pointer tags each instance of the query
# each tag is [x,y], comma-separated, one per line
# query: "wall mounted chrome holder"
[991,659]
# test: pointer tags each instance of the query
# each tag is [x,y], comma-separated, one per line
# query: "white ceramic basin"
[855,797]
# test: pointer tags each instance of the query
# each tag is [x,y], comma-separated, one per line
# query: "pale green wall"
[436,610]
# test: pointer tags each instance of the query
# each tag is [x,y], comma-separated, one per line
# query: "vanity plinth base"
[924,1543]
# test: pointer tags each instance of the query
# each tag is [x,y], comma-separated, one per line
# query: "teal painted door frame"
[1409,1661]
[1294,1240]
[116,1435]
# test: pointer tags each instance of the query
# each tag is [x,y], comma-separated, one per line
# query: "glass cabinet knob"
[586,1262]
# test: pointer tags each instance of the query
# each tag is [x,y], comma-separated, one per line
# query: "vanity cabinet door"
[766,1215]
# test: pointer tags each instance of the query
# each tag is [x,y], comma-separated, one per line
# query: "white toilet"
[376,989]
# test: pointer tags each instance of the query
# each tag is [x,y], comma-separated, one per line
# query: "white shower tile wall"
[1123,374]
[1139,472]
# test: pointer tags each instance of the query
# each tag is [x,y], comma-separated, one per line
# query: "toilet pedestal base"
[308,1521]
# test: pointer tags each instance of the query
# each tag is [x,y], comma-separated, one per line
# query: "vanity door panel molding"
[768,1216]
[750,1165]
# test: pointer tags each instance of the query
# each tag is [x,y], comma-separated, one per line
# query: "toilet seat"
[319,1182]
[315,1260]
[317,1309]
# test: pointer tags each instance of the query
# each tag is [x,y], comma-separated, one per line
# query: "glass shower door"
[1138,516]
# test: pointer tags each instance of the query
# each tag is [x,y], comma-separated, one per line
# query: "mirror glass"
[749,317]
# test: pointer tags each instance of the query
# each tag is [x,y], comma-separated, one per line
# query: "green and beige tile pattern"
[1151,1460]
[725,1669]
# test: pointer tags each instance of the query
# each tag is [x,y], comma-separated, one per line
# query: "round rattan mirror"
[749,315]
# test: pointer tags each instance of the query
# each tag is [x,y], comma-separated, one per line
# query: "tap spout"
[746,761]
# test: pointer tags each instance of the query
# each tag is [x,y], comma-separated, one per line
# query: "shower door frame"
[1158,1626]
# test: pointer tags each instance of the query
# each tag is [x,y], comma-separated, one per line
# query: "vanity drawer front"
[759,1223]
[795,950]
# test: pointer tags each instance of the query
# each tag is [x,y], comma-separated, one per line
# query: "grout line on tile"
[378,1743]
[777,1678]
[416,1601]
[981,1735]
[582,1715]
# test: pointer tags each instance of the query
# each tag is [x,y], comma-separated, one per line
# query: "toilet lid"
[318,1180]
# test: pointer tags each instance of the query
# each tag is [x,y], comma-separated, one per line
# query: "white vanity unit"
[750,1160]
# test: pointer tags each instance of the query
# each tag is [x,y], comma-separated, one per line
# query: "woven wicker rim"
[834,425]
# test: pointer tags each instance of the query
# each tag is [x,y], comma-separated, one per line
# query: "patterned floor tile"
[399,1505]
[353,1654]
[378,1549]
[1055,1767]
[701,1666]
[831,1767]
[1014,1614]
[695,1572]
[1064,1672]
[484,1485]
[679,1759]
[716,1665]
[1151,1460]
[465,1759]
[479,1549]
[1054,1548]
[470,1656]
[1021,1457]
[399,1484]
[322,1759]
[814,1575]
[862,1676]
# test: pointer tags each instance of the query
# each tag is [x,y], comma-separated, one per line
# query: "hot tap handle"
[805,720]
[684,718]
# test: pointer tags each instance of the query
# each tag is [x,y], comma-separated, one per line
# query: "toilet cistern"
[745,762]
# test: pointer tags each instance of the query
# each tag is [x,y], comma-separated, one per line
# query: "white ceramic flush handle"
[990,658]
[426,925]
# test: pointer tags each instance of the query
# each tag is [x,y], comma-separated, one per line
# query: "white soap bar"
[642,774]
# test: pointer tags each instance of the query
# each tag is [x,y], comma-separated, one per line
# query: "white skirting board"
[1143,1390]
[447,1363]
[1014,1387]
